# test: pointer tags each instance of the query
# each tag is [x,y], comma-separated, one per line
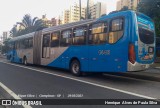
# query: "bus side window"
[10,46]
[116,30]
[26,43]
[66,38]
[46,45]
[79,36]
[30,43]
[55,39]
[98,33]
[21,44]
[46,40]
[16,45]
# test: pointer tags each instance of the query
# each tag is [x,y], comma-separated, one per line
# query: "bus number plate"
[104,52]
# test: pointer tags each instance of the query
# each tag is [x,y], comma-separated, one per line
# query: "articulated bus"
[118,42]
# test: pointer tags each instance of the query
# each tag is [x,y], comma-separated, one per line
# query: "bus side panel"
[111,57]
[56,58]
[108,58]
[116,61]
[81,53]
[28,53]
[64,58]
[15,57]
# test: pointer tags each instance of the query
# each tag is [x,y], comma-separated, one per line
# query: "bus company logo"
[6,102]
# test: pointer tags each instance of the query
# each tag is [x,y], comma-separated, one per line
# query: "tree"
[14,31]
[28,24]
[152,9]
[124,8]
[31,24]
[5,46]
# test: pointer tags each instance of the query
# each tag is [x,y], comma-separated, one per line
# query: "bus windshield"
[146,30]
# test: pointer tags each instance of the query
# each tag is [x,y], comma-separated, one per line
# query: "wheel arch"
[74,72]
[72,59]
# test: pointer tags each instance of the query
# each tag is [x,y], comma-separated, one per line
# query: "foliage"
[124,8]
[82,18]
[152,9]
[5,46]
[27,25]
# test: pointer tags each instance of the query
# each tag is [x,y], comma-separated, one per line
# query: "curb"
[138,76]
[157,68]
[146,77]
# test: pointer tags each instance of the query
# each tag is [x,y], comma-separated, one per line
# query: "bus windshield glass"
[146,30]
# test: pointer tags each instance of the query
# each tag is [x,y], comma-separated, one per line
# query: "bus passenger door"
[46,46]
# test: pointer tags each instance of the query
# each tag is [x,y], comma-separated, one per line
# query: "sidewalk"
[151,74]
[156,65]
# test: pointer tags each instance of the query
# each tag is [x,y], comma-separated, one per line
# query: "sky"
[12,11]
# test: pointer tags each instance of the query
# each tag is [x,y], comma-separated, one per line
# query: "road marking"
[87,82]
[13,94]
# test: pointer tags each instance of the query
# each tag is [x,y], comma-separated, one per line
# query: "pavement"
[27,81]
[153,73]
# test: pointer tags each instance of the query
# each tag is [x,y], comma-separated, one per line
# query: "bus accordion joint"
[131,55]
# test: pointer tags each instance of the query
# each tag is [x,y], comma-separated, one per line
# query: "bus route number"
[104,52]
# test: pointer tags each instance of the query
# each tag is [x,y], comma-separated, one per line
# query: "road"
[39,81]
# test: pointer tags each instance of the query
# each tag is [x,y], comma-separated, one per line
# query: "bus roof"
[119,13]
[65,26]
[74,24]
[116,13]
[29,35]
[54,28]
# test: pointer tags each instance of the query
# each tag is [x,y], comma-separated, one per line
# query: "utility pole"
[80,9]
[87,9]
[59,20]
[1,43]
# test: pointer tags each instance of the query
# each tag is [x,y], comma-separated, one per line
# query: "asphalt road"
[40,81]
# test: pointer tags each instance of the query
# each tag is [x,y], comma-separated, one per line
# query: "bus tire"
[25,61]
[75,68]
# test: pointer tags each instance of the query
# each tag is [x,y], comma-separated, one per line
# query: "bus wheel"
[75,68]
[25,61]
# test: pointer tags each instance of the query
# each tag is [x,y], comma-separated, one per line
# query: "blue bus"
[118,42]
